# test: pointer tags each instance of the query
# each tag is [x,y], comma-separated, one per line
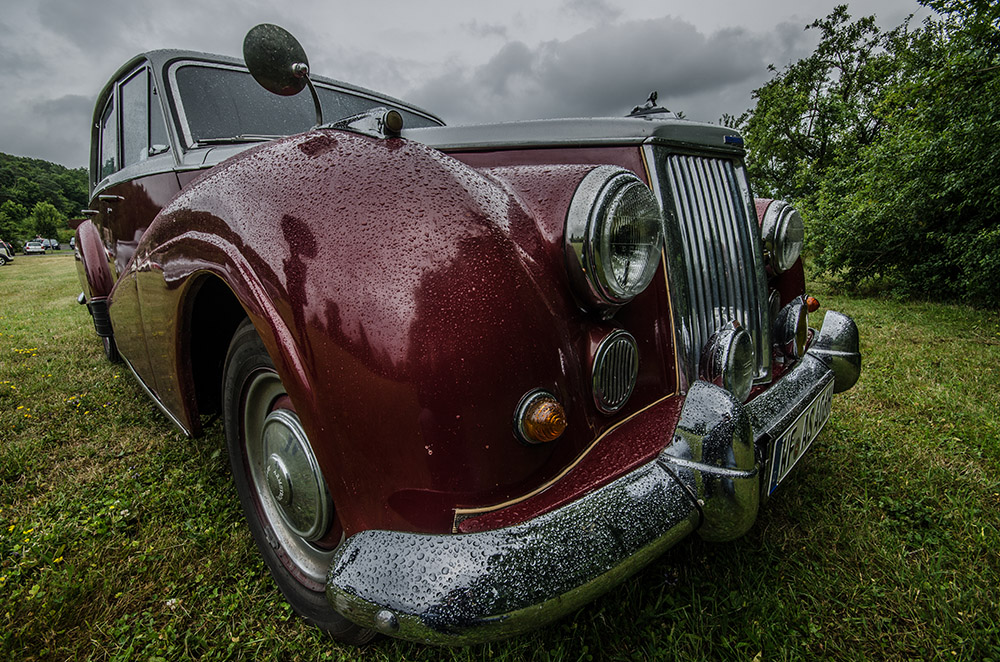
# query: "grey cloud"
[596,11]
[67,117]
[64,108]
[57,54]
[485,29]
[78,23]
[606,71]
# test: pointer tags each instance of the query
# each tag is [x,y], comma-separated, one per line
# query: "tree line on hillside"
[887,141]
[38,197]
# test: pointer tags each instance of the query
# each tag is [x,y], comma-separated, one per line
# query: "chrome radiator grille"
[721,250]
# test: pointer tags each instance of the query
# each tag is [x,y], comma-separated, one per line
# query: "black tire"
[111,349]
[252,393]
[3,260]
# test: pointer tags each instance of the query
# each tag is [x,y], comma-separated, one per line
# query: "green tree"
[13,223]
[920,211]
[887,143]
[816,113]
[29,181]
[46,219]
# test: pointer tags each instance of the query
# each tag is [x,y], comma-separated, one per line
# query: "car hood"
[590,131]
[574,132]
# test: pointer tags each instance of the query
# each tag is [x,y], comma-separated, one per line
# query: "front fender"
[392,289]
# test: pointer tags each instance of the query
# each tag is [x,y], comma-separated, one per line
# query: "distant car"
[6,253]
[31,247]
[54,244]
[72,242]
[470,377]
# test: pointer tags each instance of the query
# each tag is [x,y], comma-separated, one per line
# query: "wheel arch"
[213,313]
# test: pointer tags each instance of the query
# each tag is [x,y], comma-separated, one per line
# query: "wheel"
[283,493]
[3,259]
[111,349]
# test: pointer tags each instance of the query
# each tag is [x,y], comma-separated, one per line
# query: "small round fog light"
[728,361]
[539,418]
[791,328]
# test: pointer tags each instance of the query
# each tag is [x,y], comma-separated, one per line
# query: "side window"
[109,140]
[135,126]
[144,131]
[158,140]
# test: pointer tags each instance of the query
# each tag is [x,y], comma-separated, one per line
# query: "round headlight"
[613,237]
[783,234]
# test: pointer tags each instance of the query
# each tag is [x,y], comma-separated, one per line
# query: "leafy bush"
[887,143]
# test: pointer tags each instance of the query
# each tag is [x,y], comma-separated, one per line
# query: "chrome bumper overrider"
[467,588]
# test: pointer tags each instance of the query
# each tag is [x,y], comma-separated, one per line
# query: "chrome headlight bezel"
[611,206]
[783,233]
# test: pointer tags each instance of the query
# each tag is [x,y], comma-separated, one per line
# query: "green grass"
[120,539]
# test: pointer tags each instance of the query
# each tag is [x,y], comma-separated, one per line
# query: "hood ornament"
[649,108]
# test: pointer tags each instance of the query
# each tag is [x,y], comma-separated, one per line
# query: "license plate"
[796,439]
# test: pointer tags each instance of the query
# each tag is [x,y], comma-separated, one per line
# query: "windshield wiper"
[234,140]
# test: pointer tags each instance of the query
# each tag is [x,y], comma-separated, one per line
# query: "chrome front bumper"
[467,588]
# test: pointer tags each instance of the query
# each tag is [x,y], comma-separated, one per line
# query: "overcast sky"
[468,61]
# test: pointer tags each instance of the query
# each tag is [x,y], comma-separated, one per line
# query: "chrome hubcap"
[290,489]
[292,475]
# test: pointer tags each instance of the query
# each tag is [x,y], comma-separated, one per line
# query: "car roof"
[160,59]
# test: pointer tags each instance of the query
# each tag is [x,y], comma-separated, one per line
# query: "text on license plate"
[796,439]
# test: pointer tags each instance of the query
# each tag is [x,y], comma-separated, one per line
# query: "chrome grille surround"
[713,252]
[616,367]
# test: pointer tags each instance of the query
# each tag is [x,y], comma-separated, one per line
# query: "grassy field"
[122,540]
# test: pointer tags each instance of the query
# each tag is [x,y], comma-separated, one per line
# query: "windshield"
[220,102]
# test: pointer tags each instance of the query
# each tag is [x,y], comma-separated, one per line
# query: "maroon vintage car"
[471,377]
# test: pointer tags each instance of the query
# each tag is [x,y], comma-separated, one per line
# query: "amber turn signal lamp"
[812,304]
[540,418]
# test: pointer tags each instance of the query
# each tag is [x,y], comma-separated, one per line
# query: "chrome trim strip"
[166,412]
[465,513]
[675,272]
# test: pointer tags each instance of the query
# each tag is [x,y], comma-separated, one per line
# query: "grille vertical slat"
[711,225]
[730,239]
[698,290]
[741,299]
[721,251]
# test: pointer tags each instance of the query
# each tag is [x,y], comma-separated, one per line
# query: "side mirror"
[278,62]
[276,59]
